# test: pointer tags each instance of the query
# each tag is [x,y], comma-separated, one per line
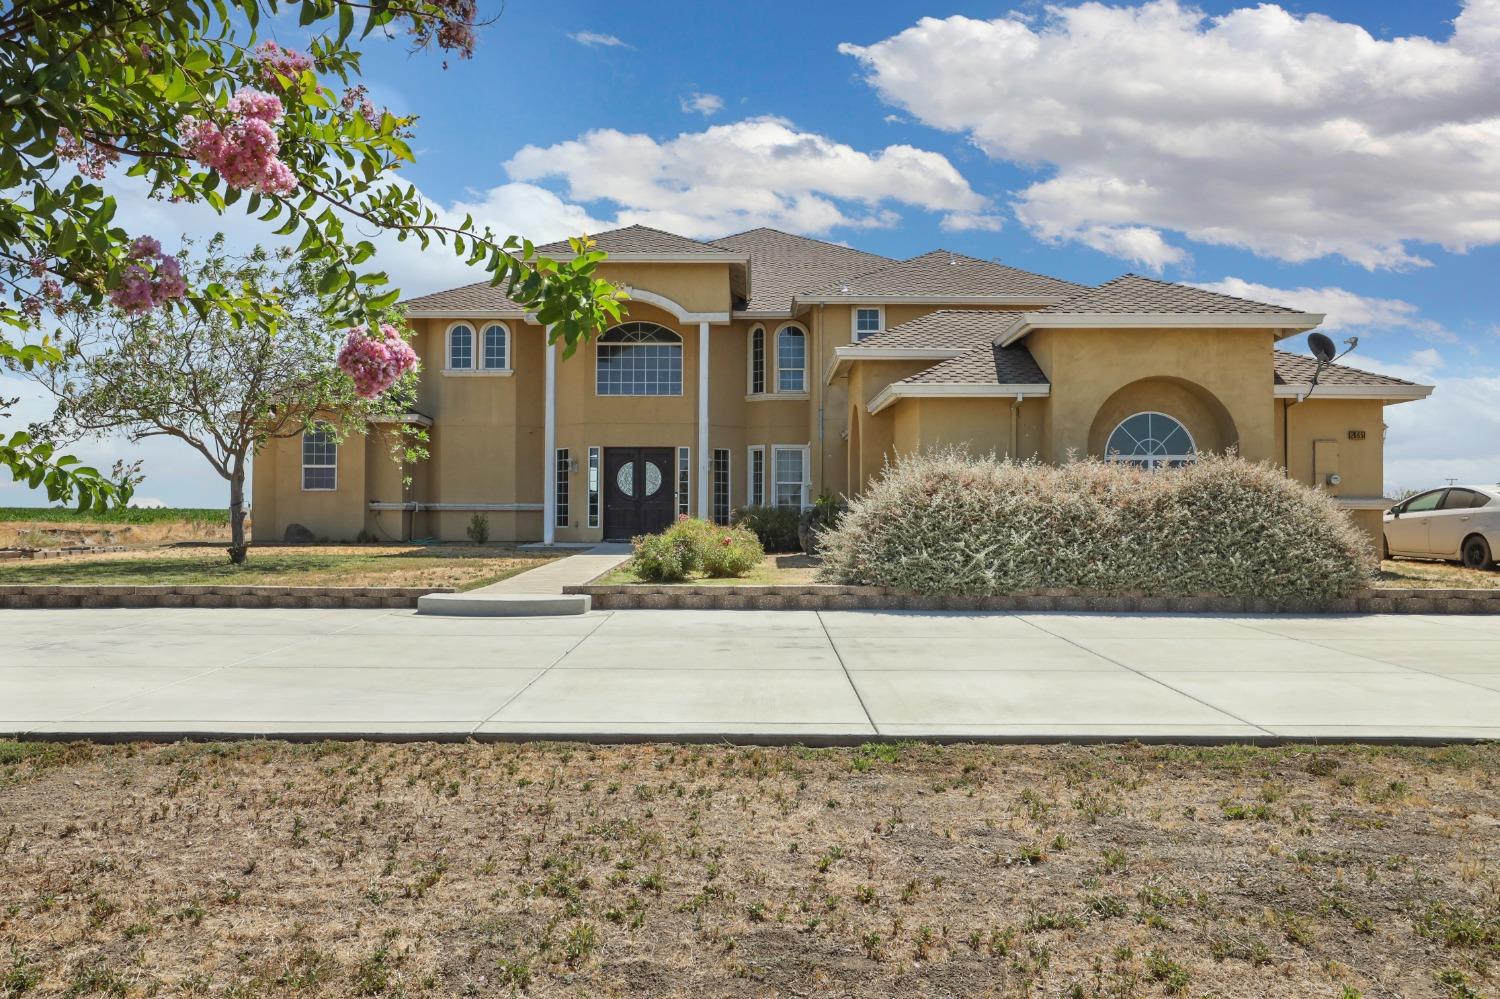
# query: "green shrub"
[690,546]
[479,529]
[775,526]
[947,523]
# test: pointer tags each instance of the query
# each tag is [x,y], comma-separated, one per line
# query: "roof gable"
[635,240]
[946,275]
[479,298]
[783,264]
[1130,293]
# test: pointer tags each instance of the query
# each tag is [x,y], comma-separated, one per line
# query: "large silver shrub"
[943,522]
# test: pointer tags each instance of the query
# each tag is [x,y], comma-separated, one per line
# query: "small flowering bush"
[947,523]
[376,363]
[692,545]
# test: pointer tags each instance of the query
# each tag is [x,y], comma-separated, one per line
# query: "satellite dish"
[1322,347]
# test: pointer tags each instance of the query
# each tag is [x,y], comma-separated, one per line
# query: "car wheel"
[1476,553]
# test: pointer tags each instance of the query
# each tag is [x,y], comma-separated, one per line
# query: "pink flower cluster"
[356,99]
[375,363]
[275,61]
[151,278]
[244,151]
[92,160]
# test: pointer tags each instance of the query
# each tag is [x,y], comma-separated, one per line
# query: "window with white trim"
[560,490]
[496,355]
[320,458]
[755,476]
[791,359]
[868,320]
[758,360]
[593,487]
[638,359]
[460,347]
[1152,441]
[789,476]
[721,485]
[684,481]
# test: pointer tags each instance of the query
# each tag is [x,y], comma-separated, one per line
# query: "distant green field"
[164,515]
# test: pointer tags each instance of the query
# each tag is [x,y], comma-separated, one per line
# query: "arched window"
[758,360]
[791,359]
[638,359]
[460,347]
[1152,441]
[496,354]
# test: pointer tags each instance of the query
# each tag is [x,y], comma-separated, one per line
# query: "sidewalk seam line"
[848,678]
[544,671]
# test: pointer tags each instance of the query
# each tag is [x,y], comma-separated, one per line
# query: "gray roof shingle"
[638,239]
[944,274]
[1297,369]
[478,297]
[951,329]
[986,365]
[1133,293]
[782,264]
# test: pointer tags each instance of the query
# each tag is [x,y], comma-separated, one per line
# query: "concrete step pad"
[478,603]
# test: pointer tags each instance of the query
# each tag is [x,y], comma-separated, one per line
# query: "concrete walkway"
[747,675]
[571,570]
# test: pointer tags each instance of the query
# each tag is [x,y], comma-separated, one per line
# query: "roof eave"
[1290,321]
[722,257]
[468,314]
[855,298]
[1385,393]
[897,391]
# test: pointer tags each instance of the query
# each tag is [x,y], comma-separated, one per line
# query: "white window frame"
[562,488]
[317,427]
[480,349]
[765,361]
[448,367]
[806,450]
[750,498]
[594,484]
[855,334]
[682,478]
[713,492]
[806,360]
[681,346]
[1152,462]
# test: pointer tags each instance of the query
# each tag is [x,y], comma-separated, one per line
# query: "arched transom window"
[1152,441]
[638,359]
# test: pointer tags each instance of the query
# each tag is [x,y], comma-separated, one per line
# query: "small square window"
[866,322]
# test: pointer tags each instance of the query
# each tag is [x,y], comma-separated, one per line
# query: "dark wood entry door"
[639,491]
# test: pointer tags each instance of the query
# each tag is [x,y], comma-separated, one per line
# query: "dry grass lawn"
[260,869]
[1425,575]
[461,566]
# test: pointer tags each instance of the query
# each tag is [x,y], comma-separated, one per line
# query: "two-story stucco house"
[765,368]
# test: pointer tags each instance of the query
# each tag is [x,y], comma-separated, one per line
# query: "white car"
[1456,523]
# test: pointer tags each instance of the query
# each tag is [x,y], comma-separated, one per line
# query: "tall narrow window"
[460,347]
[791,360]
[867,320]
[721,485]
[789,476]
[496,347]
[560,517]
[755,477]
[684,481]
[320,458]
[758,360]
[593,487]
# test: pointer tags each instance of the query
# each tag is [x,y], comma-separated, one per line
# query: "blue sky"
[1340,156]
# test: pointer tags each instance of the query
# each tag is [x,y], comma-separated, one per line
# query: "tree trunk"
[237,547]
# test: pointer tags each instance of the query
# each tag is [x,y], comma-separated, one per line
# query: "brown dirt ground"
[50,534]
[258,869]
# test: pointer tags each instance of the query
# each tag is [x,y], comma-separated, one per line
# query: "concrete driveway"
[770,675]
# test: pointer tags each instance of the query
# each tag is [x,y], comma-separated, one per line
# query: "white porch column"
[705,459]
[549,447]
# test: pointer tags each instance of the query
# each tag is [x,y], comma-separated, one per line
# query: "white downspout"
[1015,427]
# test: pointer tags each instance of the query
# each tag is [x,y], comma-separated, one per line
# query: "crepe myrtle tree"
[186,99]
[225,384]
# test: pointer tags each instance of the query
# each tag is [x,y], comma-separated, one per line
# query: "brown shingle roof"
[1297,369]
[638,239]
[478,297]
[781,265]
[948,275]
[986,365]
[1133,293]
[953,329]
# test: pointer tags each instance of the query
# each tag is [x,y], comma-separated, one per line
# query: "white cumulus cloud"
[1295,137]
[704,104]
[598,40]
[760,171]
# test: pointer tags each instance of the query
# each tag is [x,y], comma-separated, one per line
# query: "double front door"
[638,491]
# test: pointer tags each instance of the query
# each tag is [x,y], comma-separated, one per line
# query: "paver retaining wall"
[216,596]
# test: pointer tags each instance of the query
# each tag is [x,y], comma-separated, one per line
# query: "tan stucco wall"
[278,499]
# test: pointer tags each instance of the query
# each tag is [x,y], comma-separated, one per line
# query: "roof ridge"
[798,235]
